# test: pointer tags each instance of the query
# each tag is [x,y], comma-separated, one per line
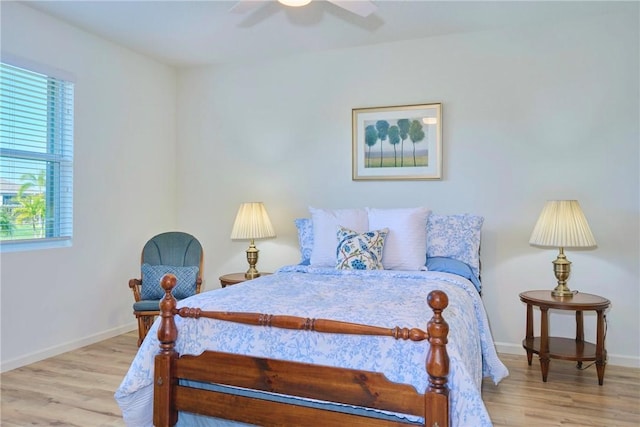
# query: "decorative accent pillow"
[305,239]
[325,223]
[457,237]
[406,245]
[152,275]
[360,251]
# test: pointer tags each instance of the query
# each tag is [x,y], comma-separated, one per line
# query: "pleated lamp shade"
[562,224]
[252,222]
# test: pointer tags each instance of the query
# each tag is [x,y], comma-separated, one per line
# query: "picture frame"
[397,143]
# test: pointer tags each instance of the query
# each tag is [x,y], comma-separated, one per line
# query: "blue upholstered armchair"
[172,252]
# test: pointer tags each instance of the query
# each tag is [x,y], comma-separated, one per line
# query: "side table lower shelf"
[564,348]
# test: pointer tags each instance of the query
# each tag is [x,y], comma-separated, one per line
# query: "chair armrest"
[198,284]
[135,285]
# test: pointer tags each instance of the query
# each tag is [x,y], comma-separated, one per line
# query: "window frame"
[58,165]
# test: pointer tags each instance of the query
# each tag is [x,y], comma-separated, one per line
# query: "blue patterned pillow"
[457,237]
[152,275]
[360,251]
[305,239]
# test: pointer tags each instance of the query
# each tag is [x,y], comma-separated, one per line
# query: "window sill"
[33,245]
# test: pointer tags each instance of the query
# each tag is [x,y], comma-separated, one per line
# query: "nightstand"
[577,349]
[234,278]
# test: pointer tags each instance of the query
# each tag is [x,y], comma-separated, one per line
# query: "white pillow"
[325,225]
[405,247]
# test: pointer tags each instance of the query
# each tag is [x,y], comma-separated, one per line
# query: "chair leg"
[144,324]
[141,331]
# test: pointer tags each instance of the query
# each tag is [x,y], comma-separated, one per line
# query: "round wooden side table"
[577,349]
[233,278]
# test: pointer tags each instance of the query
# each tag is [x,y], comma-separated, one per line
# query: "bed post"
[437,393]
[164,412]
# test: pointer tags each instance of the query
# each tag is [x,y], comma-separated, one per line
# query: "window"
[36,157]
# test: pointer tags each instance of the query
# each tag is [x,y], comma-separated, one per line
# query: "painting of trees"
[390,134]
[382,137]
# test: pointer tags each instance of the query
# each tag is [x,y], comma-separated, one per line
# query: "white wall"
[529,115]
[124,189]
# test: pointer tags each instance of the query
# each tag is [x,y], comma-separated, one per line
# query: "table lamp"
[252,222]
[562,225]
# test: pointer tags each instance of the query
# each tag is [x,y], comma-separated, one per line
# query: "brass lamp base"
[562,291]
[252,259]
[562,269]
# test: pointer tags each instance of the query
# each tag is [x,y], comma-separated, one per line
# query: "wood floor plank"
[570,397]
[76,389]
[72,389]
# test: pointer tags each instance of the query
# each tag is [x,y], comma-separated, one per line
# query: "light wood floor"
[76,389]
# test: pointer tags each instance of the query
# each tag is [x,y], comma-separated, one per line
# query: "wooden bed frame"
[347,386]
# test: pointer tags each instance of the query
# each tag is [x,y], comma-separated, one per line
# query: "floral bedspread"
[381,298]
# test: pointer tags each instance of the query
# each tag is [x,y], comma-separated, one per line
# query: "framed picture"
[402,142]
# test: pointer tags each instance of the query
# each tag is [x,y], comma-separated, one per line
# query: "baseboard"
[612,359]
[63,348]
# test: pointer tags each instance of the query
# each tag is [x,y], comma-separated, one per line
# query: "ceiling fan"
[362,8]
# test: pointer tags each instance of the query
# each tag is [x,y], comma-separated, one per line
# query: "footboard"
[324,383]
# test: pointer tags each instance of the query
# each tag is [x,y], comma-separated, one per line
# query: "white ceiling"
[187,32]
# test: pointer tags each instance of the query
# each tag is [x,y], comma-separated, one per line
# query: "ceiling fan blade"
[363,8]
[243,6]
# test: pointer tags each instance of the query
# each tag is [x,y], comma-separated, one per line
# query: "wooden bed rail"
[436,396]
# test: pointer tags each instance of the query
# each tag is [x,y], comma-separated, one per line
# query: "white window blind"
[36,156]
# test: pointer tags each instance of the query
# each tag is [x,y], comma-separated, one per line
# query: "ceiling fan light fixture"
[294,3]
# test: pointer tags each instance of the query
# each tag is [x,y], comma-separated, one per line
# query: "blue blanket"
[381,298]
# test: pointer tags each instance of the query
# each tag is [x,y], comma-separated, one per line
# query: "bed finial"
[164,412]
[437,362]
[167,332]
[438,359]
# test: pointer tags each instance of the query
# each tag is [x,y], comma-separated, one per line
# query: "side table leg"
[579,332]
[544,342]
[600,351]
[529,331]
